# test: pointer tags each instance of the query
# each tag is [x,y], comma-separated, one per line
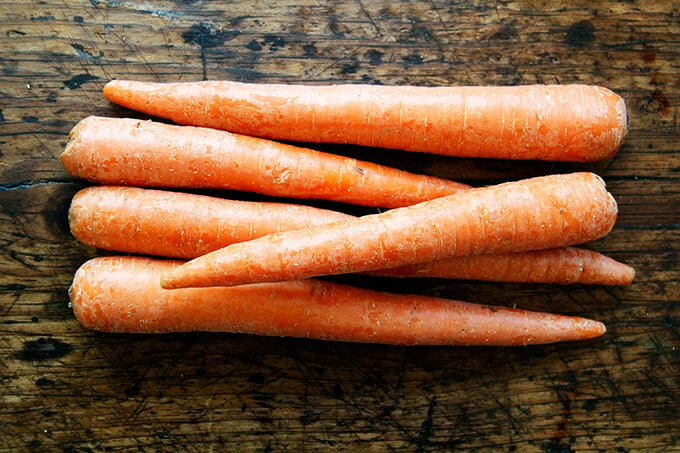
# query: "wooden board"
[66,388]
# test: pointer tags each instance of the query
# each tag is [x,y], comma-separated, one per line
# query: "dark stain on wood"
[374,57]
[309,417]
[274,42]
[77,81]
[413,59]
[310,50]
[14,287]
[350,68]
[590,404]
[581,34]
[44,382]
[43,349]
[87,55]
[45,18]
[206,35]
[420,31]
[254,46]
[506,32]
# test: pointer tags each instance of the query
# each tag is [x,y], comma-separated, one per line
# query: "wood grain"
[65,388]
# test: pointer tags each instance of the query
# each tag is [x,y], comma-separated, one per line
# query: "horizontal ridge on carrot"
[152,154]
[547,122]
[532,214]
[182,225]
[122,294]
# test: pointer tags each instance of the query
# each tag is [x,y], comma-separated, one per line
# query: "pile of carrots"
[193,262]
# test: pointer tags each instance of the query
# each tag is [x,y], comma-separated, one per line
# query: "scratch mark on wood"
[426,427]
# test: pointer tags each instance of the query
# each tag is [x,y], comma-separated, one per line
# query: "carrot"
[549,122]
[560,265]
[531,214]
[121,294]
[145,153]
[181,225]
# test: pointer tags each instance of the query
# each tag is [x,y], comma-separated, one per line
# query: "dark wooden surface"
[65,388]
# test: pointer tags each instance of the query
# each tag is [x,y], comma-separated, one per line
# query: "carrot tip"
[109,88]
[170,280]
[631,275]
[591,329]
[167,282]
[626,274]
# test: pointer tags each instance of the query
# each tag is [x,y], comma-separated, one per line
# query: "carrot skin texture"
[150,154]
[560,265]
[549,122]
[532,214]
[121,294]
[181,225]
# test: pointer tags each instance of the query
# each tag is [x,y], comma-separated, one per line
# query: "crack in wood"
[18,185]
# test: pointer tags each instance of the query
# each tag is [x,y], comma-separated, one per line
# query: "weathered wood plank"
[64,388]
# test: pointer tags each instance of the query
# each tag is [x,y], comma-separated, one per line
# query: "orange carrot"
[121,294]
[531,214]
[181,225]
[560,265]
[145,153]
[549,122]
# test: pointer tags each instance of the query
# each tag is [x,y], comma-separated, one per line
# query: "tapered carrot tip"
[177,277]
[629,275]
[591,328]
[608,272]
